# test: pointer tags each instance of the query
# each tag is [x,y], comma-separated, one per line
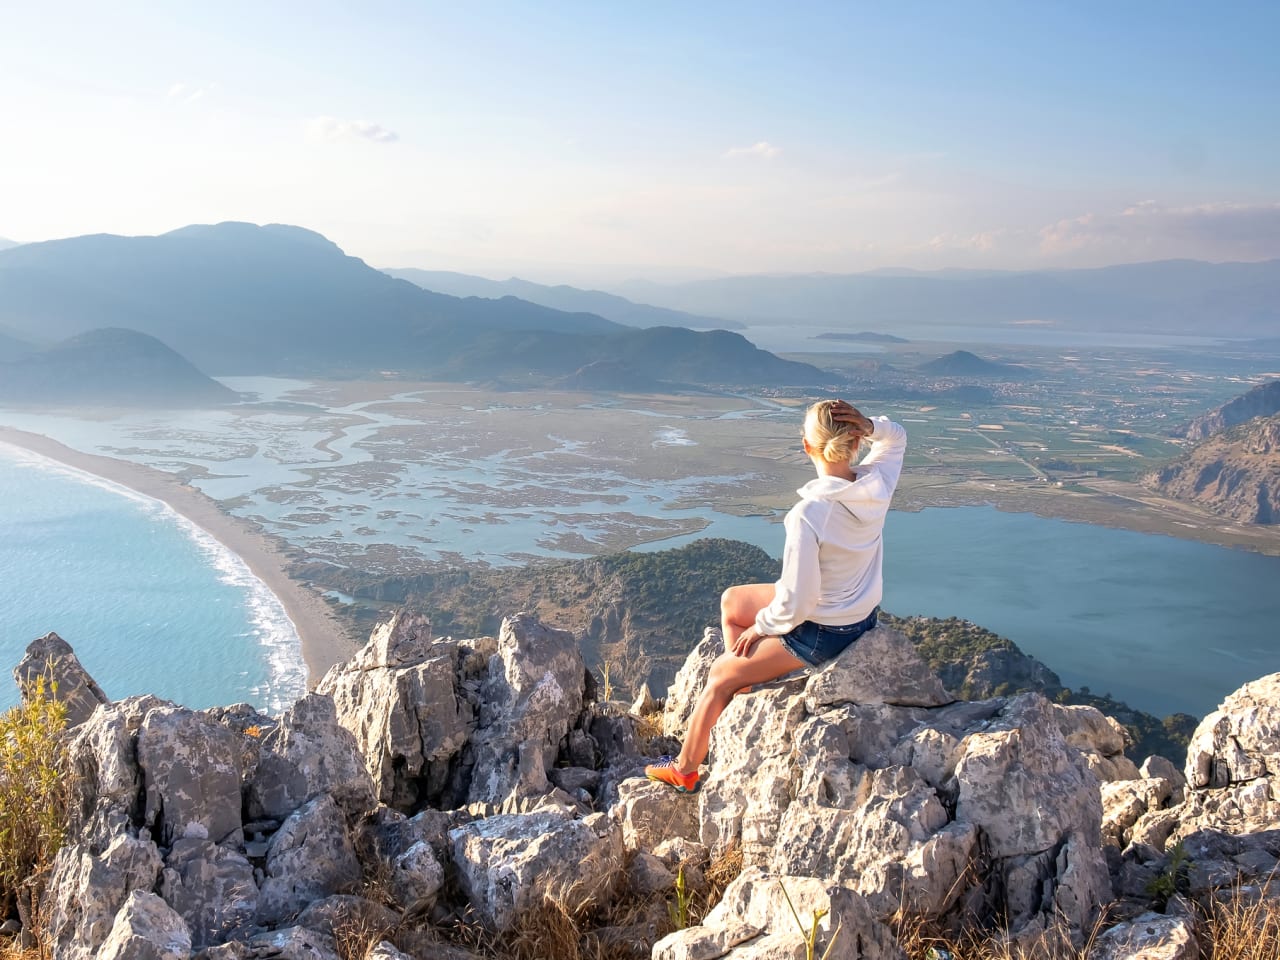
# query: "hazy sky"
[594,140]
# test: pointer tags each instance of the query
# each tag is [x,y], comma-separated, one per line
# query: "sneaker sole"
[694,789]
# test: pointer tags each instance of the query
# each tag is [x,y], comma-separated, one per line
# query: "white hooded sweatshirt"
[831,564]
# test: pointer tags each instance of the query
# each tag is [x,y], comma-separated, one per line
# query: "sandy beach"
[324,642]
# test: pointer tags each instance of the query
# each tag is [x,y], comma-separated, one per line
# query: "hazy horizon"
[592,145]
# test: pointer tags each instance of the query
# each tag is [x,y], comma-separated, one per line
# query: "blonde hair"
[832,440]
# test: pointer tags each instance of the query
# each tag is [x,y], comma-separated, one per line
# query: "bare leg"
[739,606]
[768,660]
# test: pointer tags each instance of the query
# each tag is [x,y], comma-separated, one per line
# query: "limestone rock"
[417,876]
[191,773]
[310,857]
[52,658]
[107,783]
[1100,739]
[87,890]
[1233,764]
[146,928]
[1157,766]
[211,887]
[531,697]
[398,697]
[689,681]
[507,863]
[882,666]
[386,951]
[1151,936]
[748,783]
[650,813]
[287,943]
[647,875]
[644,702]
[1220,861]
[307,755]
[754,920]
[931,806]
[1124,802]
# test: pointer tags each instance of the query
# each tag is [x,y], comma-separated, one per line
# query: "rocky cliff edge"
[432,785]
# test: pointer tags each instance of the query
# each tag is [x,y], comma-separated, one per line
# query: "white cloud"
[329,128]
[1214,231]
[763,149]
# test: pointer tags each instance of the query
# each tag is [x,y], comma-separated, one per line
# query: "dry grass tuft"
[721,872]
[1245,927]
[355,935]
[926,938]
[548,932]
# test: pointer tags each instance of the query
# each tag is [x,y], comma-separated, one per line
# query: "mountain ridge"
[1158,297]
[1262,401]
[557,296]
[278,299]
[1235,472]
[110,366]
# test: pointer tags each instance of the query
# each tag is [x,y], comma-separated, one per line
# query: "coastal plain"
[394,477]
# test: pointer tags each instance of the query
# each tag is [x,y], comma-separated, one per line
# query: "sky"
[590,142]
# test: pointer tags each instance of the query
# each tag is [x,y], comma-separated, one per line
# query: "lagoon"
[1166,625]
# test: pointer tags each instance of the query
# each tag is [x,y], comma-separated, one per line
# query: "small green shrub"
[679,909]
[1170,880]
[33,794]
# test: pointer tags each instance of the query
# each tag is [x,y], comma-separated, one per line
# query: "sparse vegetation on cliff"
[974,663]
[34,794]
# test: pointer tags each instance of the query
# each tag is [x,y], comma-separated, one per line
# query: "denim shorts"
[816,643]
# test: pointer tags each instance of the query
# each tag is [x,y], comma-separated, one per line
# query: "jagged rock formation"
[51,658]
[473,778]
[1235,473]
[868,775]
[1262,401]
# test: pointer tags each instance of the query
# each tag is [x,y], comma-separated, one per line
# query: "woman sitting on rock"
[829,591]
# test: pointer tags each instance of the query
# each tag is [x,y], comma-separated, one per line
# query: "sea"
[150,602]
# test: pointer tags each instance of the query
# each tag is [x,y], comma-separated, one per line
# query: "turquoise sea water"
[150,603]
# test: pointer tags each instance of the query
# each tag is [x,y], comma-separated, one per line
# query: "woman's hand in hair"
[844,412]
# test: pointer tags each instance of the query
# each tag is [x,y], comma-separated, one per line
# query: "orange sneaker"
[664,770]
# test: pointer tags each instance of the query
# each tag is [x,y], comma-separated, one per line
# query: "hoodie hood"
[866,498]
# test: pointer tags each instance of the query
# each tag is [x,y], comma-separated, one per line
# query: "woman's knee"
[723,678]
[741,603]
[728,600]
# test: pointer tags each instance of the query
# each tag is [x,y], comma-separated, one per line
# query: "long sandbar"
[324,641]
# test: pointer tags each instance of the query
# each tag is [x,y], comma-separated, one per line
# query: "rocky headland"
[1262,401]
[452,798]
[1235,472]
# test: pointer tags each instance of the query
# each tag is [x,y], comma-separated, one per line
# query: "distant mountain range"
[1187,297]
[235,298]
[561,297]
[112,367]
[962,363]
[6,244]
